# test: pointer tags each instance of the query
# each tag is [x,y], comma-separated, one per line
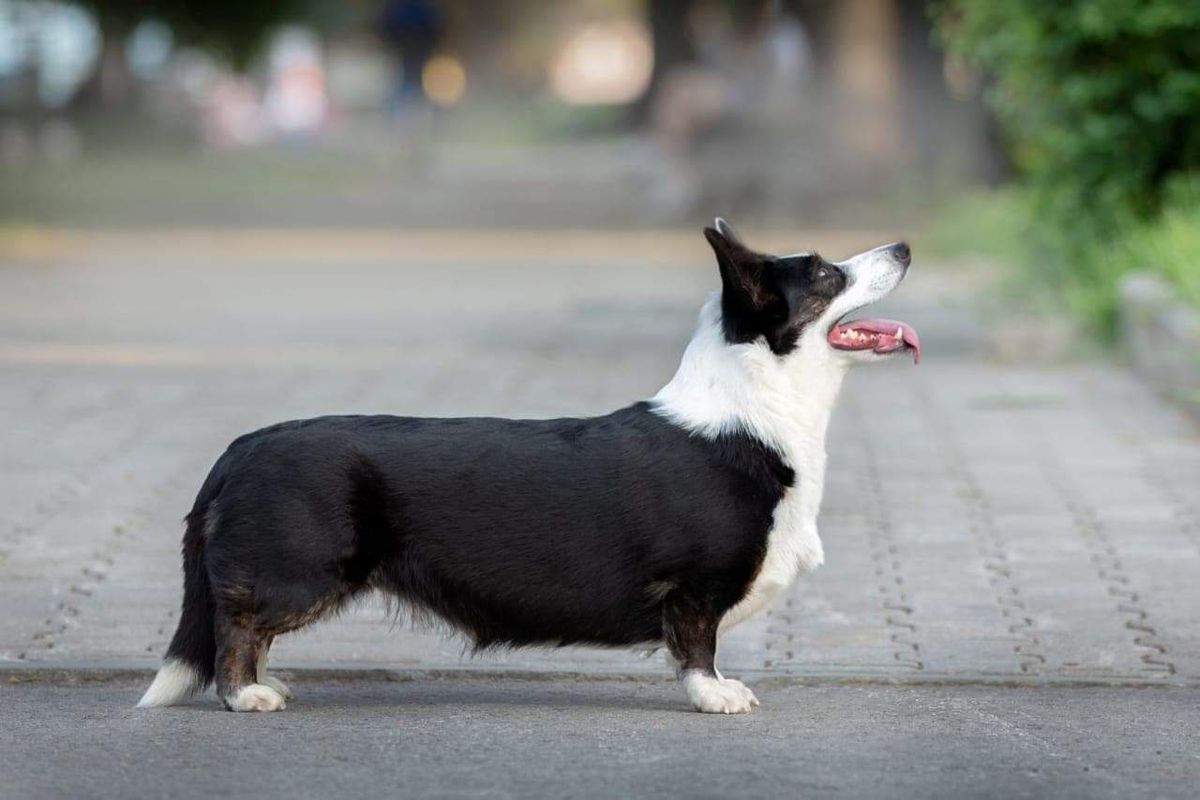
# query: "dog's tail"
[190,661]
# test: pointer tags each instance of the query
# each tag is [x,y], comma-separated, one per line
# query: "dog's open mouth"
[879,335]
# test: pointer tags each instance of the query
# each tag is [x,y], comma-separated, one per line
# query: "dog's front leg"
[690,626]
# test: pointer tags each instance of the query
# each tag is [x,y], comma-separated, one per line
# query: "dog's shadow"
[317,696]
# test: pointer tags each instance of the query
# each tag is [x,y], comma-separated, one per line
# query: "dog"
[662,524]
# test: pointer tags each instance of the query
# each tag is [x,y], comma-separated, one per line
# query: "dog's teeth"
[900,334]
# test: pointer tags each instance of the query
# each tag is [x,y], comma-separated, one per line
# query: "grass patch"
[1170,246]
[1047,265]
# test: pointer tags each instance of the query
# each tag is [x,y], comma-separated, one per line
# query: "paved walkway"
[983,521]
[476,738]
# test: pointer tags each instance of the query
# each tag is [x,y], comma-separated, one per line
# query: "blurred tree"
[232,30]
[671,34]
[672,43]
[111,82]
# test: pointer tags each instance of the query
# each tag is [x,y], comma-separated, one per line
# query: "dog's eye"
[822,273]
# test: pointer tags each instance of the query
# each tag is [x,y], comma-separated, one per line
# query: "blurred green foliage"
[230,29]
[1171,243]
[1099,101]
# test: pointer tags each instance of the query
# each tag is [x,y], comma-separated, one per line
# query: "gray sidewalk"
[475,738]
[983,521]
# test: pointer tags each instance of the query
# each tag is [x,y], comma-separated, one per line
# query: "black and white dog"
[666,522]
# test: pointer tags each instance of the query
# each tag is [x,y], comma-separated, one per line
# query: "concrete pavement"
[619,739]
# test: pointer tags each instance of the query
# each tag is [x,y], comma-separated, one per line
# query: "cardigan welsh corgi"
[664,523]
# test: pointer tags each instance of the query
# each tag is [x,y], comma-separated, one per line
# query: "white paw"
[257,697]
[718,695]
[742,689]
[278,686]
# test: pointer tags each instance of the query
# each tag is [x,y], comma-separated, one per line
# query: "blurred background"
[783,114]
[452,112]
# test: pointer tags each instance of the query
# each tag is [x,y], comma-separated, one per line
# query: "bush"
[1099,101]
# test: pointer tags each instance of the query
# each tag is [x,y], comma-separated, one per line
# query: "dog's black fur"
[568,531]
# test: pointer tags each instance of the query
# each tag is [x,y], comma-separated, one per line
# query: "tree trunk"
[672,44]
[111,86]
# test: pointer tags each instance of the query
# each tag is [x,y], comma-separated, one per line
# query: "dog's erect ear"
[742,272]
[725,229]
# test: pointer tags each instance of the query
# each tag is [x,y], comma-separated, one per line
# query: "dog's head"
[797,303]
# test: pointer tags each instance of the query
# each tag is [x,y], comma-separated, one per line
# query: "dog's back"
[567,531]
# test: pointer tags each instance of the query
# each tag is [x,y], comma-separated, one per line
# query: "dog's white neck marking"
[784,402]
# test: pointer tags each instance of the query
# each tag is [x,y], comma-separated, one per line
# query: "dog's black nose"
[901,253]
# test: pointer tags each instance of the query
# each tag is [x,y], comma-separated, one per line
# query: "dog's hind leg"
[690,622]
[261,671]
[239,651]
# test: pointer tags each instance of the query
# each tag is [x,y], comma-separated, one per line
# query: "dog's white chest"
[793,544]
[785,403]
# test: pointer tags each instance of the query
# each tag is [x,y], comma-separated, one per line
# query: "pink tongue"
[888,327]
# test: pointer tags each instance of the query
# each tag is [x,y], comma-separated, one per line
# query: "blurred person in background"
[412,30]
[296,101]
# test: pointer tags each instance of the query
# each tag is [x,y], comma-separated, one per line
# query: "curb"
[1161,336]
